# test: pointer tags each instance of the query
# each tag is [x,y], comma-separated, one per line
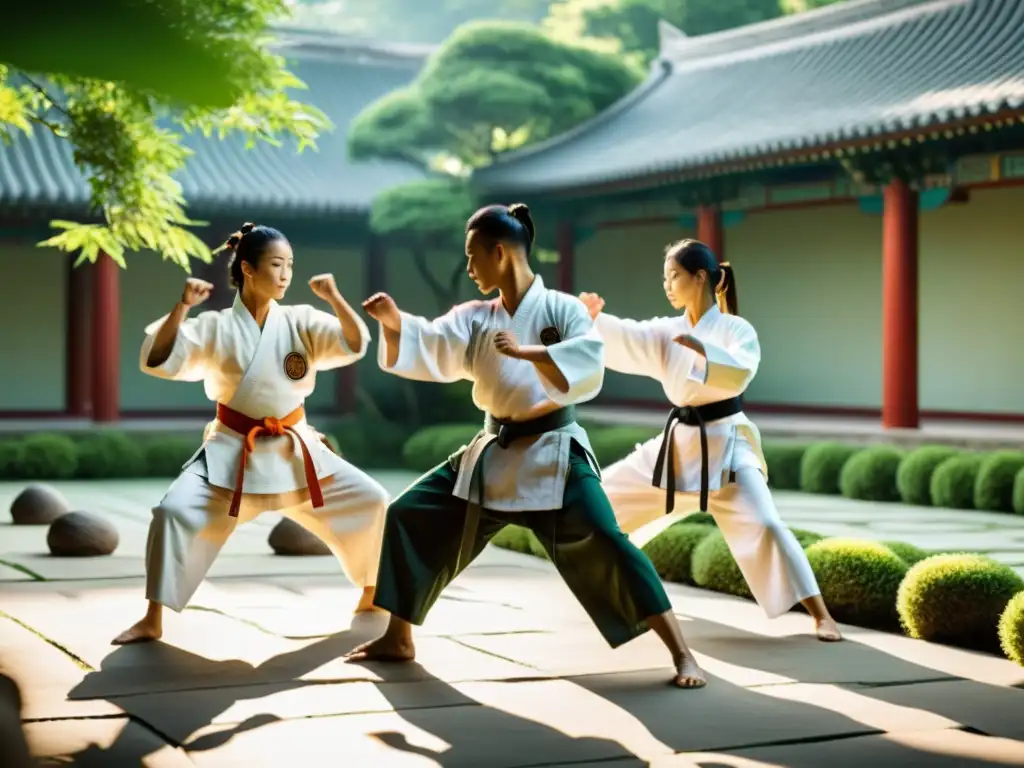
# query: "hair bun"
[518,210]
[247,228]
[233,241]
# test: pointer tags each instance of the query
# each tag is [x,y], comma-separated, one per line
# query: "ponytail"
[725,292]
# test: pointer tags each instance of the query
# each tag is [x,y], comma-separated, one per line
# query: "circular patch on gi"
[295,366]
[550,336]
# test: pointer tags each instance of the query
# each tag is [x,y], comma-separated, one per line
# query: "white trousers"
[769,556]
[191,524]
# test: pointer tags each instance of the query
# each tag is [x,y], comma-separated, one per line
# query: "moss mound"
[859,580]
[914,477]
[953,481]
[672,551]
[821,466]
[714,567]
[870,474]
[1011,629]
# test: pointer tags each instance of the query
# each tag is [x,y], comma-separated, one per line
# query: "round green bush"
[821,466]
[914,477]
[430,446]
[713,567]
[611,444]
[953,481]
[908,553]
[783,460]
[671,551]
[993,488]
[870,474]
[806,538]
[956,599]
[1011,629]
[371,442]
[519,539]
[104,455]
[859,580]
[700,518]
[11,456]
[47,456]
[164,456]
[1018,493]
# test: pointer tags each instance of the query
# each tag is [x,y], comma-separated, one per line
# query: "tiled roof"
[343,76]
[844,72]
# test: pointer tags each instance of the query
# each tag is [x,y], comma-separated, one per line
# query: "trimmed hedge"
[953,481]
[1018,493]
[859,580]
[432,445]
[993,488]
[671,552]
[870,474]
[784,462]
[821,466]
[1011,629]
[611,444]
[715,568]
[908,553]
[957,599]
[914,477]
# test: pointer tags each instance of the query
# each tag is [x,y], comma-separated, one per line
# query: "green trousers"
[612,579]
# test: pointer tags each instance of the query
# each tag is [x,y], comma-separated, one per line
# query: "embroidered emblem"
[295,366]
[550,336]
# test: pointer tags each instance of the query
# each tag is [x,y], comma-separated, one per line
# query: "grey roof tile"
[343,77]
[849,71]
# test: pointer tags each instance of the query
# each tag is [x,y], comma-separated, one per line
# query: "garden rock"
[81,534]
[291,539]
[38,505]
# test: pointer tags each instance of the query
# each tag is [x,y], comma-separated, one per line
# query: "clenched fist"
[383,309]
[196,292]
[505,342]
[324,286]
[593,303]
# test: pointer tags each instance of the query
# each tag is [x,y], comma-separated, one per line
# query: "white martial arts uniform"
[771,559]
[260,374]
[530,473]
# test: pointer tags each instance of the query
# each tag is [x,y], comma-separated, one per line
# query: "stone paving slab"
[111,742]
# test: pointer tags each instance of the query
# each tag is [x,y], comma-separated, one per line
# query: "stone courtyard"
[509,674]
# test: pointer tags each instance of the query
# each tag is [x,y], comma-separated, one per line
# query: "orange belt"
[253,428]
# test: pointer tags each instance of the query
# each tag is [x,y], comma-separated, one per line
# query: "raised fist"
[593,303]
[196,292]
[383,309]
[324,286]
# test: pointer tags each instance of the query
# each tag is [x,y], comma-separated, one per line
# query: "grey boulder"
[81,534]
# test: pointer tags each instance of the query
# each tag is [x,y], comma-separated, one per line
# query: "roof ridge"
[660,71]
[799,29]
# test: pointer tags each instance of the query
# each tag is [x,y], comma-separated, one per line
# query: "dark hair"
[248,244]
[497,223]
[694,256]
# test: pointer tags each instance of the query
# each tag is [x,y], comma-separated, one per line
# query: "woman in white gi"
[531,464]
[705,359]
[258,361]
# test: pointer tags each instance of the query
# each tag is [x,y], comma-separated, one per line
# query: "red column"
[78,352]
[565,242]
[106,311]
[899,306]
[709,229]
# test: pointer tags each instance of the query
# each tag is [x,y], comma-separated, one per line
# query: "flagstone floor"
[509,674]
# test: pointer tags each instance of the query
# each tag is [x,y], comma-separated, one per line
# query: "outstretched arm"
[729,366]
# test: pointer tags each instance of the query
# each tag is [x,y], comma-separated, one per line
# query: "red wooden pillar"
[899,306]
[565,242]
[709,229]
[106,327]
[78,352]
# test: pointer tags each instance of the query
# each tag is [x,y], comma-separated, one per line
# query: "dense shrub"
[1018,493]
[953,481]
[859,580]
[821,466]
[164,456]
[11,457]
[806,538]
[700,518]
[908,553]
[428,447]
[46,456]
[993,488]
[713,567]
[956,599]
[371,442]
[870,474]
[110,454]
[671,552]
[519,539]
[1011,629]
[914,477]
[783,462]
[611,444]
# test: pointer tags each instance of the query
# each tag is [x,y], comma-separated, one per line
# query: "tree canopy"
[126,134]
[492,87]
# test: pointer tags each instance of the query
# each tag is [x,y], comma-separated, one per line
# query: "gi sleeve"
[638,347]
[579,355]
[731,366]
[324,340]
[192,351]
[431,350]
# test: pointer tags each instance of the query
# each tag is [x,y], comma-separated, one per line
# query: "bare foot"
[384,648]
[689,674]
[827,630]
[143,631]
[365,604]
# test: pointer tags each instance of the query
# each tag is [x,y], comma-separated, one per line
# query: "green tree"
[126,138]
[427,217]
[492,87]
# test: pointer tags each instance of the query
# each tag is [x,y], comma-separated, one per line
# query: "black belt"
[691,416]
[505,433]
